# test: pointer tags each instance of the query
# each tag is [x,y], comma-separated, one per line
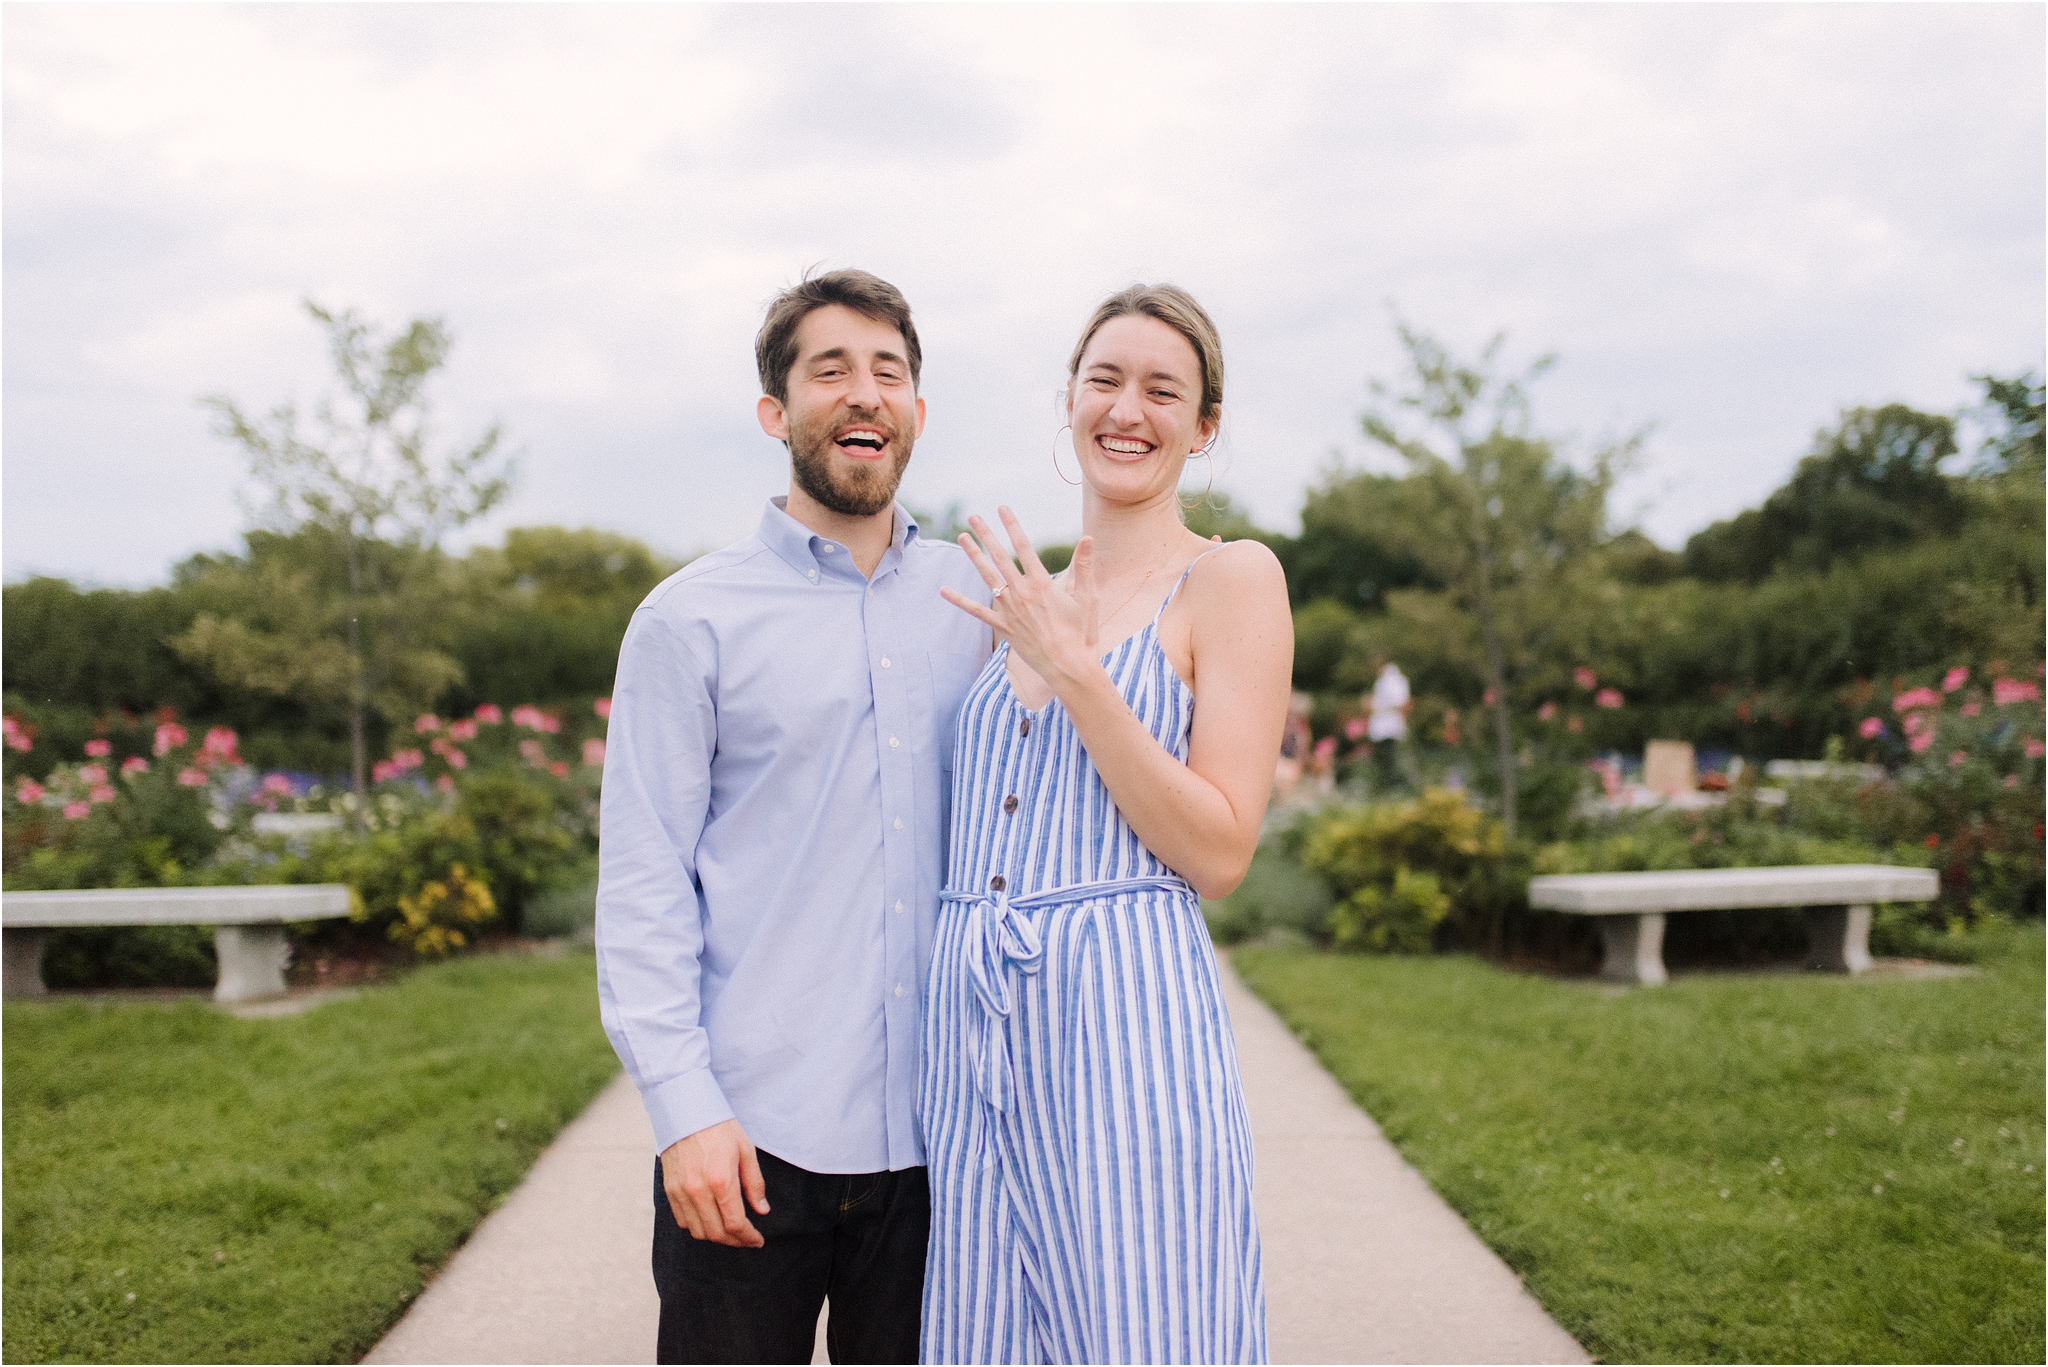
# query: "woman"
[1089,1151]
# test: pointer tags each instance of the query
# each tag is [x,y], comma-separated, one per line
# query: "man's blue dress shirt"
[774,833]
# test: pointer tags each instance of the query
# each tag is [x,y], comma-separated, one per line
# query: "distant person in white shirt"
[1388,726]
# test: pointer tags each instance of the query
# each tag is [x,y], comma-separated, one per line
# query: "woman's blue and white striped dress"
[1085,1126]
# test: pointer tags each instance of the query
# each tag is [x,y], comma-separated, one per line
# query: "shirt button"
[812,573]
[1010,803]
[899,908]
[1024,727]
[996,883]
[899,823]
[892,742]
[885,662]
[899,989]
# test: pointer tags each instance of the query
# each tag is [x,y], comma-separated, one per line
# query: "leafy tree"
[1873,480]
[1491,512]
[1352,548]
[339,607]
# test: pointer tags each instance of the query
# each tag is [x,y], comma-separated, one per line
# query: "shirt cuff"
[684,1105]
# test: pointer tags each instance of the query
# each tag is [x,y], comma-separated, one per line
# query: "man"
[775,796]
[1387,726]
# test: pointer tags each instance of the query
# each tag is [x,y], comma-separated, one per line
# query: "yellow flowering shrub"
[443,914]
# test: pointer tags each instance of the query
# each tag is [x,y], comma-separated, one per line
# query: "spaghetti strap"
[1182,580]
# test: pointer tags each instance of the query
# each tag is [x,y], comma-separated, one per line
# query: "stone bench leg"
[23,951]
[1838,939]
[252,960]
[1634,948]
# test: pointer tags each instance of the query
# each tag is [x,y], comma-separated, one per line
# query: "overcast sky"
[1729,221]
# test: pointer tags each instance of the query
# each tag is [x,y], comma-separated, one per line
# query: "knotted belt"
[1002,936]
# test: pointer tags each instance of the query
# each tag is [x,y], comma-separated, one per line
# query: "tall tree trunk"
[1489,629]
[358,759]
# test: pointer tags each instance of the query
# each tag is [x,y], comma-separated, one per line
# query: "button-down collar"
[815,557]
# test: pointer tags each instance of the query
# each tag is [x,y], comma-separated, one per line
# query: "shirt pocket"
[951,673]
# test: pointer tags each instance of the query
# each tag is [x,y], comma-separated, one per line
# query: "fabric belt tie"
[1002,936]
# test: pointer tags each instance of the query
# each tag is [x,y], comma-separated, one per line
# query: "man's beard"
[850,490]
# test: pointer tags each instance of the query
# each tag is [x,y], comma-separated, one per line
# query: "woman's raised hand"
[1051,627]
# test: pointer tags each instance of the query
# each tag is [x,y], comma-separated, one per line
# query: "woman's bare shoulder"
[1243,573]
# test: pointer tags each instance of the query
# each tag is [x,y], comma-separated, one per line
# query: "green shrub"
[1398,920]
[1400,868]
[567,905]
[519,841]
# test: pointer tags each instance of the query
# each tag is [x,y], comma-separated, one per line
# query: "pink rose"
[169,737]
[456,759]
[528,716]
[2005,692]
[1546,712]
[427,722]
[1956,758]
[445,784]
[462,730]
[2034,749]
[560,769]
[92,775]
[99,749]
[1920,742]
[2012,780]
[533,753]
[603,707]
[489,714]
[1919,724]
[1574,724]
[1608,698]
[1585,678]
[17,736]
[1489,697]
[1355,728]
[101,793]
[383,770]
[29,791]
[277,783]
[133,765]
[1916,697]
[1871,729]
[593,751]
[219,745]
[74,810]
[1955,678]
[191,778]
[1971,709]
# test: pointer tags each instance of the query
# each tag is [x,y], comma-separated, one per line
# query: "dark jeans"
[858,1238]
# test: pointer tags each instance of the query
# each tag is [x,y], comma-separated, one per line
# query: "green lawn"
[1726,1169]
[183,1186]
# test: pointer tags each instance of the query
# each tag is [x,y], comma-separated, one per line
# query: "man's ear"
[920,420]
[775,422]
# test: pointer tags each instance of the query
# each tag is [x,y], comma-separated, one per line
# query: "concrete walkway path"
[1363,1261]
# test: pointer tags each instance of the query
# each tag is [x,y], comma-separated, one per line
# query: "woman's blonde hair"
[1176,308]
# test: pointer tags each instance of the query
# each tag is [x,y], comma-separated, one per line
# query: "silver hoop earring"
[1056,458]
[1211,487]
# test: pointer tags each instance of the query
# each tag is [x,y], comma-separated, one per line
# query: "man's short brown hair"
[868,295]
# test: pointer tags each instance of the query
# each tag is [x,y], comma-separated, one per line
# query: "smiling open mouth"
[864,442]
[1124,446]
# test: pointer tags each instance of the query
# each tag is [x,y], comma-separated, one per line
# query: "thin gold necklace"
[1134,591]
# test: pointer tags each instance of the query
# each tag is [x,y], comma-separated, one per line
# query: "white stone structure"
[1632,907]
[248,927]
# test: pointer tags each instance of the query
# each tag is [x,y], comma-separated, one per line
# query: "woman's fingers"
[1021,544]
[971,608]
[990,575]
[1004,559]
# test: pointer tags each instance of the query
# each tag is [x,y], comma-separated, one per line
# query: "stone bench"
[1632,907]
[248,927]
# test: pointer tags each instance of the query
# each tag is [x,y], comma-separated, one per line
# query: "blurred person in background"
[1387,707]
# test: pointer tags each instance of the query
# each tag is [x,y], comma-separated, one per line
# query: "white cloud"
[1729,220]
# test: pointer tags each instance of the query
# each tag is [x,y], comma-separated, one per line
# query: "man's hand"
[705,1174]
